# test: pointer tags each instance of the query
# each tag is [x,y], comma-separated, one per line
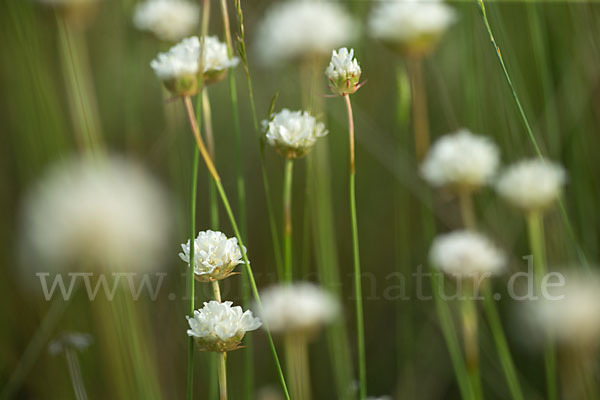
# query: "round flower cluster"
[293,133]
[412,26]
[215,256]
[297,29]
[179,68]
[299,308]
[570,312]
[105,213]
[532,185]
[169,20]
[221,327]
[343,72]
[461,161]
[466,254]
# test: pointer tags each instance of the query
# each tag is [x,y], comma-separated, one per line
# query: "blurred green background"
[552,51]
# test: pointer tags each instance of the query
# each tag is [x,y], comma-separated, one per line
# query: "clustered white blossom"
[105,213]
[465,254]
[70,340]
[297,29]
[569,312]
[293,133]
[532,184]
[169,20]
[179,67]
[221,327]
[343,72]
[298,308]
[461,161]
[413,26]
[215,256]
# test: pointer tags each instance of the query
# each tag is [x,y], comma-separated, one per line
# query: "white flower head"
[411,26]
[343,72]
[532,184]
[170,20]
[221,327]
[70,340]
[571,312]
[466,254]
[461,161]
[293,133]
[107,213]
[215,256]
[179,67]
[298,308]
[297,29]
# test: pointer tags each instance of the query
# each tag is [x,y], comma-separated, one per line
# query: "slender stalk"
[535,227]
[223,375]
[260,139]
[491,311]
[210,143]
[75,374]
[216,290]
[360,330]
[214,174]
[469,318]
[419,106]
[297,365]
[287,219]
[80,89]
[581,255]
[190,279]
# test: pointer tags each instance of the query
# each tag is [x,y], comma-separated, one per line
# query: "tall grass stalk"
[490,309]
[215,176]
[260,138]
[287,219]
[360,328]
[75,374]
[535,227]
[80,88]
[580,253]
[297,366]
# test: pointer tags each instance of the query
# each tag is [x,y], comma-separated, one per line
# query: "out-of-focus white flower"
[298,29]
[170,20]
[461,161]
[179,67]
[571,312]
[70,340]
[293,133]
[532,184]
[215,256]
[67,2]
[105,213]
[466,254]
[221,327]
[299,308]
[343,72]
[411,26]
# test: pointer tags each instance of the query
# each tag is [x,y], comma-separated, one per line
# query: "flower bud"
[343,72]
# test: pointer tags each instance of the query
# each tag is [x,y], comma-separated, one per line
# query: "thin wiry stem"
[215,176]
[75,374]
[419,107]
[223,376]
[580,254]
[360,329]
[491,311]
[535,226]
[210,143]
[287,219]
[260,139]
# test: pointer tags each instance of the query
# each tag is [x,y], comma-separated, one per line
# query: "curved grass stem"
[217,179]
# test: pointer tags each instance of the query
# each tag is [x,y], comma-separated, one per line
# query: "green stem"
[210,143]
[471,343]
[360,330]
[75,374]
[287,219]
[535,227]
[211,168]
[297,366]
[581,255]
[216,290]
[491,311]
[223,375]
[419,107]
